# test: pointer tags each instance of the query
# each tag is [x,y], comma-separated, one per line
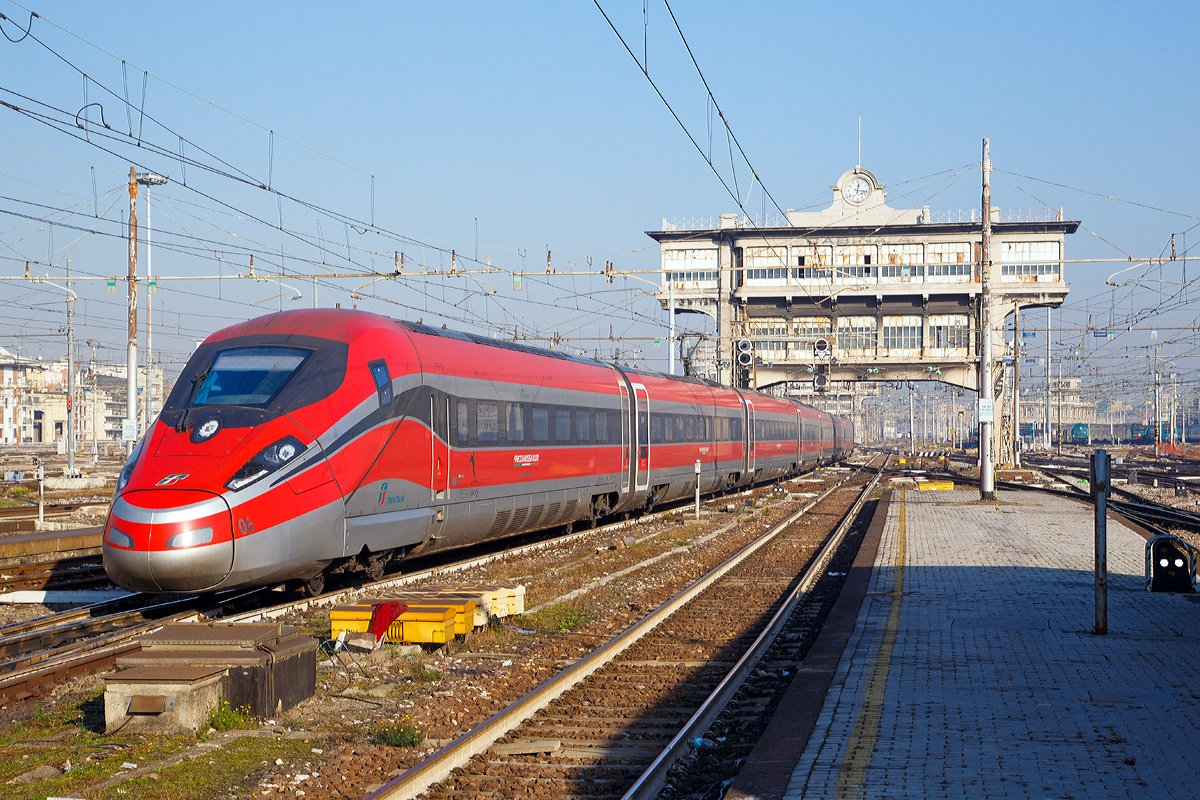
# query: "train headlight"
[119,538]
[205,430]
[127,470]
[268,460]
[191,538]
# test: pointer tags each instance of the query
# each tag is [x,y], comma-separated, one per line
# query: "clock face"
[856,190]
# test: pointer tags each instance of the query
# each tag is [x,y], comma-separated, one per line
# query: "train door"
[625,439]
[439,461]
[751,437]
[642,474]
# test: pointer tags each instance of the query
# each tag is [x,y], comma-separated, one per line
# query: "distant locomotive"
[1079,433]
[305,443]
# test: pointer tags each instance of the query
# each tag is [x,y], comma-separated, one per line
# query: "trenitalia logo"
[382,494]
[171,480]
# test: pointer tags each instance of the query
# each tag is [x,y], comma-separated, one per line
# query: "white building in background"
[895,293]
[33,400]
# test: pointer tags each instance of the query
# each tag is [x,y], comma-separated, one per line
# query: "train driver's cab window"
[487,422]
[383,382]
[248,376]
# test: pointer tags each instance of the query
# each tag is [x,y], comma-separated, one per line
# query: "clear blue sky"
[533,119]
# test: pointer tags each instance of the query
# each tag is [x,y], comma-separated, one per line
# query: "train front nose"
[168,540]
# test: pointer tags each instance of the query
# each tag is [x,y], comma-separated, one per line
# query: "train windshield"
[248,376]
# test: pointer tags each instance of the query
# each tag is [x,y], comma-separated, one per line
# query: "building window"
[902,333]
[950,331]
[857,334]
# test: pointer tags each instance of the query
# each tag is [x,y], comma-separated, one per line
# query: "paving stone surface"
[973,670]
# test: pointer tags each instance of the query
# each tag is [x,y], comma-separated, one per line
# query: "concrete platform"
[44,542]
[972,671]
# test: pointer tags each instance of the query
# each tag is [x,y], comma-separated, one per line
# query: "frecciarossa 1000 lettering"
[306,443]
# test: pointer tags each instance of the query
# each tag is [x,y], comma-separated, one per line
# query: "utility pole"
[912,423]
[71,473]
[1157,427]
[1049,367]
[987,478]
[1016,387]
[1059,406]
[671,311]
[131,362]
[149,179]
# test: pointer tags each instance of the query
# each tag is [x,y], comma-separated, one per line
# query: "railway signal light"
[745,354]
[821,348]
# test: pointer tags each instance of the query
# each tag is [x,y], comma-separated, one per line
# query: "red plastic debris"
[383,616]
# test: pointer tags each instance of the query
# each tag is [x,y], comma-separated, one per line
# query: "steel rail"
[439,765]
[652,781]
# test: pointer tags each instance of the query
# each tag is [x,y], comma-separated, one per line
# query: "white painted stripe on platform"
[81,596]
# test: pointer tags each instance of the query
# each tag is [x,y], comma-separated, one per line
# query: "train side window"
[583,432]
[708,428]
[463,420]
[515,419]
[679,428]
[689,428]
[541,424]
[562,424]
[383,381]
[656,428]
[735,429]
[602,426]
[487,421]
[669,427]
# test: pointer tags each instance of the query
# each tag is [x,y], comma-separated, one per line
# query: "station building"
[858,292]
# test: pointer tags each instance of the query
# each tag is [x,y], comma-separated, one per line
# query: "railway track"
[613,723]
[77,572]
[49,510]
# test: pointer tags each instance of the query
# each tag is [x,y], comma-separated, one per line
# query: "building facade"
[858,291]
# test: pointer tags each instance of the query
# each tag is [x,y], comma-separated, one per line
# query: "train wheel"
[374,570]
[313,586]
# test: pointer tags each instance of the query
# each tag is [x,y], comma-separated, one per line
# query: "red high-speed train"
[305,443]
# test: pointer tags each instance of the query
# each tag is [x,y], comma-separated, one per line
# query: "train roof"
[447,333]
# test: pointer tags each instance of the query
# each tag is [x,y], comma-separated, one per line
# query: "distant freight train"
[305,443]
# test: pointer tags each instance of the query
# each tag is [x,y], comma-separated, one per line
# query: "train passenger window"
[679,433]
[656,428]
[643,434]
[515,418]
[708,429]
[582,425]
[689,428]
[487,421]
[562,424]
[383,381]
[735,429]
[464,428]
[602,427]
[669,427]
[541,424]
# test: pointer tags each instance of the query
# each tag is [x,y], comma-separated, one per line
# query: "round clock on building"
[856,190]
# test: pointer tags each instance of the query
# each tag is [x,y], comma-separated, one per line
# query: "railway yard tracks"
[665,702]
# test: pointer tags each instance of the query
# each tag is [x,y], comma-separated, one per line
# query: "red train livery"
[305,443]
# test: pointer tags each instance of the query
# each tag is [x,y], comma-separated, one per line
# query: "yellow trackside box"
[505,604]
[430,625]
[354,618]
[479,612]
[485,596]
[936,486]
[516,597]
[464,610]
